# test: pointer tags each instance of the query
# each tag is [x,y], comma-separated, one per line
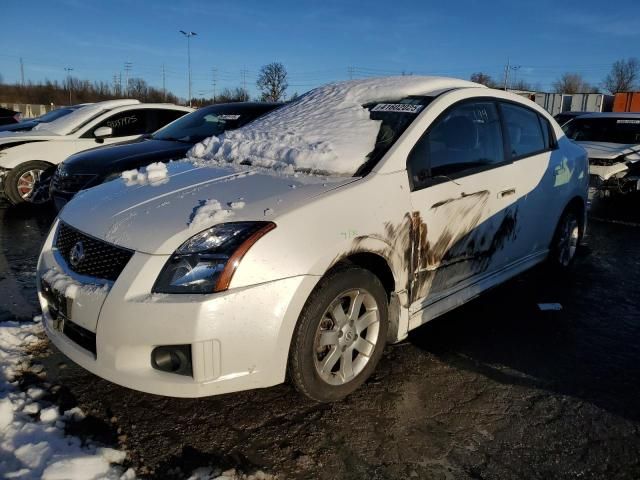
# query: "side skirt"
[423,311]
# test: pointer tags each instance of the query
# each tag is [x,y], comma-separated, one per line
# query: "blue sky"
[317,41]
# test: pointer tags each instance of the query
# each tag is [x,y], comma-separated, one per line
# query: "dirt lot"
[495,390]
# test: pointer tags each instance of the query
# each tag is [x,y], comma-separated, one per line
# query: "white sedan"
[305,241]
[24,156]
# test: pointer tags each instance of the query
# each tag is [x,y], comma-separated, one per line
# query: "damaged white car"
[612,141]
[305,241]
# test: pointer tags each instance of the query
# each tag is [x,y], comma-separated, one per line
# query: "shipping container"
[627,102]
[554,103]
[591,102]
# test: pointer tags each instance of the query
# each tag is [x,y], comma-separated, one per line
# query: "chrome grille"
[100,260]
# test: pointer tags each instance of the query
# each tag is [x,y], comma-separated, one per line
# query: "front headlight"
[207,261]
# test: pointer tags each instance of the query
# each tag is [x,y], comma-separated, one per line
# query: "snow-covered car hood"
[611,151]
[158,217]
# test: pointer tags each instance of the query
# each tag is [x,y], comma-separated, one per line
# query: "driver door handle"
[506,193]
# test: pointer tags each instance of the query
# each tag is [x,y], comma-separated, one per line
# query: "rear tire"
[26,183]
[566,239]
[340,335]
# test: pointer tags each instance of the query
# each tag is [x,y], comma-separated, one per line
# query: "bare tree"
[83,91]
[229,95]
[138,89]
[272,82]
[483,79]
[623,76]
[521,85]
[572,83]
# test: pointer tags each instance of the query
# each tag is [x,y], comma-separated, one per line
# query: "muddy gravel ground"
[495,390]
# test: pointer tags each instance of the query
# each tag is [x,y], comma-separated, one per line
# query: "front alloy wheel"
[29,183]
[347,336]
[340,335]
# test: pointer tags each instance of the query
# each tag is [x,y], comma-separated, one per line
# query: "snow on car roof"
[327,130]
[65,125]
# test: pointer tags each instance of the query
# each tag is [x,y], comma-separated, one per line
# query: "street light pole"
[189,35]
[68,70]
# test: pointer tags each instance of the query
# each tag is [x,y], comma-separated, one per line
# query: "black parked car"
[9,117]
[92,167]
[27,125]
[564,117]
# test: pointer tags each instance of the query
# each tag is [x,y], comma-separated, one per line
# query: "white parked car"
[305,241]
[612,141]
[24,156]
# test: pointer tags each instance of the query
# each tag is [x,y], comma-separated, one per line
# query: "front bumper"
[239,339]
[3,175]
[614,178]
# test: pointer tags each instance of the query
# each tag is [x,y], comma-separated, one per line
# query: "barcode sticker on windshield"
[397,107]
[634,122]
[228,117]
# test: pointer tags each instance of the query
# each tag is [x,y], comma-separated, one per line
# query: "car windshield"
[623,130]
[53,114]
[394,117]
[206,122]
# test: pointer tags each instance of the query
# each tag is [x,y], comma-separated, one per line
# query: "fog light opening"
[172,359]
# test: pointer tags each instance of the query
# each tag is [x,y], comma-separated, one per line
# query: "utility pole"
[189,35]
[243,74]
[21,72]
[68,70]
[120,85]
[164,87]
[127,69]
[350,72]
[213,83]
[506,74]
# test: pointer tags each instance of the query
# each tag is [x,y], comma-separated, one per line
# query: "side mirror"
[102,133]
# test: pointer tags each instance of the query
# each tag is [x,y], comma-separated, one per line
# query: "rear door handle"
[506,193]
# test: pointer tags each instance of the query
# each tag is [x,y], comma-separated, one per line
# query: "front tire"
[24,183]
[340,336]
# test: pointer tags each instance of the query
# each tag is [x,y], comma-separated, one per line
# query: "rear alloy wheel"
[566,240]
[26,183]
[340,336]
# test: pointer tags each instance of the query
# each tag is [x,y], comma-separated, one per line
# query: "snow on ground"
[327,130]
[211,211]
[32,440]
[153,174]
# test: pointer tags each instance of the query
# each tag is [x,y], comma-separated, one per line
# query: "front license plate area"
[59,305]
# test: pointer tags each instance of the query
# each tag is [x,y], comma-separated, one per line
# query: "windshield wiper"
[172,139]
